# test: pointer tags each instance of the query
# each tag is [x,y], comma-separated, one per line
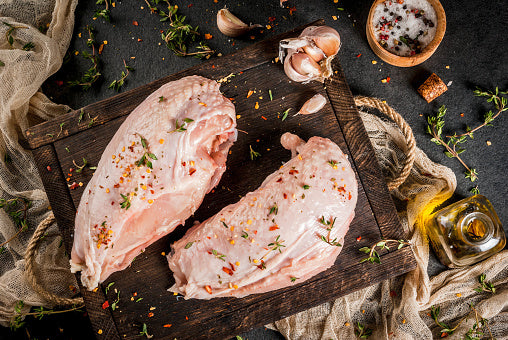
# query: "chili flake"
[105,305]
[256,106]
[167,325]
[208,36]
[209,290]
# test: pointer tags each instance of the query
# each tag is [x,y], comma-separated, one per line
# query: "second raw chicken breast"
[290,229]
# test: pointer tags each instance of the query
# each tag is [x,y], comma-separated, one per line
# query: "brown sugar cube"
[432,88]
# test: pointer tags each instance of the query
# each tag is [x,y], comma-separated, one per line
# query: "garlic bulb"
[319,44]
[313,105]
[230,25]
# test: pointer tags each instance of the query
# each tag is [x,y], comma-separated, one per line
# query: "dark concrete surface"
[474,48]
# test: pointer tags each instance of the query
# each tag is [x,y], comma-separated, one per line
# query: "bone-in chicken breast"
[288,230]
[153,175]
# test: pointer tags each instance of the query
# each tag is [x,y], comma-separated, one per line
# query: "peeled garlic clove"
[230,25]
[291,72]
[313,105]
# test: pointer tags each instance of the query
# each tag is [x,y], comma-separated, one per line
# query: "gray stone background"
[474,48]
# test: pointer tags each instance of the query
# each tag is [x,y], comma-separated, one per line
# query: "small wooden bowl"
[416,59]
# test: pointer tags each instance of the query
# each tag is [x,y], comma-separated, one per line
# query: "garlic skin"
[313,105]
[230,25]
[320,44]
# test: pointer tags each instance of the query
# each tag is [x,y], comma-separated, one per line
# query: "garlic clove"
[313,105]
[291,72]
[230,25]
[314,52]
[324,37]
[305,65]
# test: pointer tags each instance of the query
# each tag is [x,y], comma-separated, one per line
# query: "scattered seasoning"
[284,114]
[113,305]
[250,93]
[167,325]
[305,186]
[208,289]
[245,235]
[224,224]
[272,228]
[333,164]
[161,99]
[358,239]
[256,106]
[359,55]
[293,278]
[105,305]
[386,80]
[273,210]
[270,94]
[188,245]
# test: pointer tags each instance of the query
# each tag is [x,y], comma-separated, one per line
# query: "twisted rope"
[361,101]
[29,266]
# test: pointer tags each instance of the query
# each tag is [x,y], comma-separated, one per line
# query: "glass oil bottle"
[466,232]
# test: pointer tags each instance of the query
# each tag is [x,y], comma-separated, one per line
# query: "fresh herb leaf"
[253,154]
[126,203]
[219,255]
[284,114]
[277,245]
[183,126]
[109,286]
[274,209]
[294,278]
[383,244]
[188,245]
[117,84]
[305,186]
[245,235]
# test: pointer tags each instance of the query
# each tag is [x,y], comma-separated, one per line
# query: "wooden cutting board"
[85,133]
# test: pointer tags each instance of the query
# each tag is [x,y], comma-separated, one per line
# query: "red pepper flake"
[232,266]
[359,55]
[462,114]
[264,117]
[101,47]
[227,270]
[150,314]
[292,172]
[208,36]
[139,39]
[59,82]
[105,304]
[183,163]
[349,198]
[285,196]
[74,185]
[359,238]
[191,171]
[292,10]
[271,19]
[135,294]
[444,335]
[255,232]
[186,317]
[190,5]
[272,228]
[167,325]
[135,23]
[48,168]
[279,180]
[209,290]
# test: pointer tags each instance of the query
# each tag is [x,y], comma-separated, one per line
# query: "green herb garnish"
[253,154]
[117,84]
[277,245]
[126,203]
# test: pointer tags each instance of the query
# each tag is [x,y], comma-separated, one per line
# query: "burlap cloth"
[394,309]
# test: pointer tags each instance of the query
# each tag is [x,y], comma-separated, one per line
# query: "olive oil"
[466,232]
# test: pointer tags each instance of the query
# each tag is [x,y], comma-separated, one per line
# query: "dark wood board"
[149,277]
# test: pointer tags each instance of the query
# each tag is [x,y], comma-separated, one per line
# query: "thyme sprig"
[374,255]
[277,245]
[362,332]
[147,155]
[103,13]
[253,154]
[180,35]
[452,142]
[476,332]
[485,286]
[17,209]
[117,84]
[329,224]
[93,73]
[38,312]
[80,168]
[126,203]
[219,255]
[10,38]
[181,127]
[144,332]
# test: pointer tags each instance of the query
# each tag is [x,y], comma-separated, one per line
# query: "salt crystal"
[449,83]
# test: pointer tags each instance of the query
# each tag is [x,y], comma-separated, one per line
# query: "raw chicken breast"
[153,175]
[289,229]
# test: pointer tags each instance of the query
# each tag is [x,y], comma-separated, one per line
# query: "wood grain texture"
[148,277]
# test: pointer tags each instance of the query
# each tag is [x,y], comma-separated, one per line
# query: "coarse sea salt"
[406,27]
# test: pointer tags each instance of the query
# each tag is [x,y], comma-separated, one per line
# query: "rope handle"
[362,101]
[30,266]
